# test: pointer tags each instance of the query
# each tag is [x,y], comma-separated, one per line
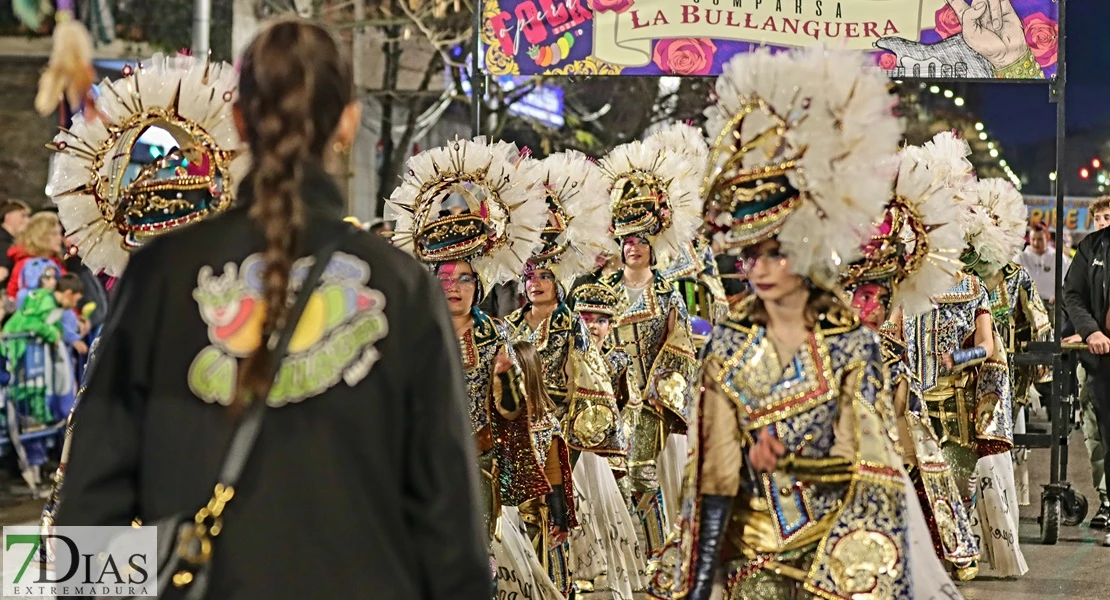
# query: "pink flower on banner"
[888,61]
[1042,35]
[948,24]
[685,56]
[617,6]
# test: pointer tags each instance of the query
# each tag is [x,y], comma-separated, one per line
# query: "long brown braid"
[293,88]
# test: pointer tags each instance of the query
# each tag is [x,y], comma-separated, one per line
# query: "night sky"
[1020,115]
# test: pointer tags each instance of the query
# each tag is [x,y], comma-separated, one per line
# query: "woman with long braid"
[359,449]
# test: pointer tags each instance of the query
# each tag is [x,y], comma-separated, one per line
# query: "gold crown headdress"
[110,203]
[915,249]
[468,201]
[596,298]
[577,229]
[801,144]
[653,193]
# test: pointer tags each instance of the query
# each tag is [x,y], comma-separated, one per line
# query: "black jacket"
[1087,284]
[366,490]
[1085,293]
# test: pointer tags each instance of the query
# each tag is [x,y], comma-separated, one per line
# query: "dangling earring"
[340,148]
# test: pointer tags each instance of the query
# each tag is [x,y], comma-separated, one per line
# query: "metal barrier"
[17,433]
[1059,501]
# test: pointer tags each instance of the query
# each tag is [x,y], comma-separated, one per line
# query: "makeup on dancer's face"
[871,299]
[540,286]
[598,324]
[459,286]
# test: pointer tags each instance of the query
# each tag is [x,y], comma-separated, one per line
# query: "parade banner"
[970,39]
[1077,214]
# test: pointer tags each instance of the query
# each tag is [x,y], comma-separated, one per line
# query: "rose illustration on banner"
[948,23]
[685,56]
[888,61]
[1042,35]
[617,6]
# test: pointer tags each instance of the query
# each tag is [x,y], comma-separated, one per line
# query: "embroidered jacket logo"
[333,340]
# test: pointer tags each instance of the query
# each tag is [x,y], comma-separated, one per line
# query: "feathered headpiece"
[468,201]
[686,139]
[801,147]
[996,223]
[108,200]
[653,193]
[915,249]
[946,154]
[577,230]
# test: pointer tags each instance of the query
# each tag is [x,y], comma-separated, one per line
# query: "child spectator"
[41,238]
[42,315]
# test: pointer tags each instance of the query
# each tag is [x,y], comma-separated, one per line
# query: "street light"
[994,153]
[978,127]
[1052,176]
[958,101]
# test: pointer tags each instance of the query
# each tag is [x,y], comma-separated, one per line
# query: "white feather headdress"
[652,193]
[946,154]
[684,138]
[996,222]
[469,201]
[917,247]
[801,147]
[106,208]
[577,230]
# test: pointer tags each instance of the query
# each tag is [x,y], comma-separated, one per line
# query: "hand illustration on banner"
[983,39]
[992,29]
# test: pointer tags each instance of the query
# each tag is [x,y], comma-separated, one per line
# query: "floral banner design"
[964,39]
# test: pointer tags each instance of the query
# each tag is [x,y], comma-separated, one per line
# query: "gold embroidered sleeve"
[719,444]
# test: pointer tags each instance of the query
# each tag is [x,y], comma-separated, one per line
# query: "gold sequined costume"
[829,522]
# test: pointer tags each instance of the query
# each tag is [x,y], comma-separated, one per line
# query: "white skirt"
[929,575]
[995,518]
[612,556]
[672,465]
[519,572]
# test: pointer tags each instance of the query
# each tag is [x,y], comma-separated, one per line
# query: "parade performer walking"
[1017,309]
[575,375]
[796,484]
[108,215]
[912,256]
[995,235]
[692,267]
[470,251]
[655,208]
[598,306]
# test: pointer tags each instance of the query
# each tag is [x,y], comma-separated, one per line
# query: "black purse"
[184,549]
